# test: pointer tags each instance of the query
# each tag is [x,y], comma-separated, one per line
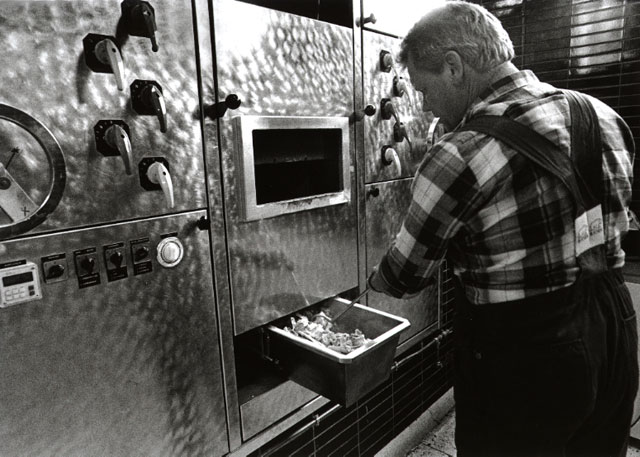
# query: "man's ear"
[454,66]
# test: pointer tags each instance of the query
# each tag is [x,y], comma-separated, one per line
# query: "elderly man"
[527,196]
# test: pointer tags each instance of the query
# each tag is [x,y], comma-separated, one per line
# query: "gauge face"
[32,172]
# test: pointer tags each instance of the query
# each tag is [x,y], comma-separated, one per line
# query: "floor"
[439,442]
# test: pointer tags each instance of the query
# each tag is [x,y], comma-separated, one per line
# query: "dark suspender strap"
[532,145]
[586,150]
[581,173]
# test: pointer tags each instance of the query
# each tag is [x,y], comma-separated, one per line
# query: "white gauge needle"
[13,199]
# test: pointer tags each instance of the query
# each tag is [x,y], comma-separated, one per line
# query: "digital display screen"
[17,279]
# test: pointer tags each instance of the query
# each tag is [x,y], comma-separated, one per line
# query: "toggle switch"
[147,99]
[155,175]
[140,20]
[102,55]
[113,139]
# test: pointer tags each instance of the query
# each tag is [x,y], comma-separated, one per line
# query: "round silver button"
[170,252]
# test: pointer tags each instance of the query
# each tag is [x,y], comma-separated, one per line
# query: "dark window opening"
[296,163]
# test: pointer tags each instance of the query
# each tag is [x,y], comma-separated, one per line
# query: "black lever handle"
[217,110]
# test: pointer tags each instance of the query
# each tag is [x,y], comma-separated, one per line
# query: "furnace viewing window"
[290,164]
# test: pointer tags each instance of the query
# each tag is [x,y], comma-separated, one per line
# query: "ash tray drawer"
[343,378]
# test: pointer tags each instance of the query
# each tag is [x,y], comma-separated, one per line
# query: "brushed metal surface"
[220,278]
[359,142]
[270,407]
[379,132]
[385,214]
[123,368]
[283,65]
[45,75]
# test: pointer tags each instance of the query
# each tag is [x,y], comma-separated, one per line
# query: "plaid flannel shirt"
[506,225]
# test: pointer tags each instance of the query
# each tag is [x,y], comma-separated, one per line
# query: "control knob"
[88,264]
[116,259]
[141,253]
[54,271]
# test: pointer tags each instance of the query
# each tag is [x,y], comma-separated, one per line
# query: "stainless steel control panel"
[107,351]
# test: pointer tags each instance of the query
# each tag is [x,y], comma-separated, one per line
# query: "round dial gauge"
[32,172]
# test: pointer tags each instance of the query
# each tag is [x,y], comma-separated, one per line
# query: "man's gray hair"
[467,28]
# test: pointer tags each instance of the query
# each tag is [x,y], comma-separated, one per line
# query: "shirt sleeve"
[445,192]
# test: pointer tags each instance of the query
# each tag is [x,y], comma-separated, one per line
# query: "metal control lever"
[102,55]
[108,53]
[217,110]
[387,110]
[370,19]
[154,97]
[157,173]
[116,137]
[386,61]
[400,134]
[140,20]
[147,98]
[399,86]
[113,139]
[390,156]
